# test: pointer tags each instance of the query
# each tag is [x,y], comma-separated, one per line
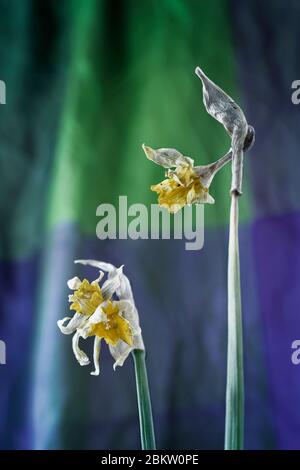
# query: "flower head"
[187,184]
[104,312]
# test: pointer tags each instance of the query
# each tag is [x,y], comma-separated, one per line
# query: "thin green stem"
[144,402]
[234,421]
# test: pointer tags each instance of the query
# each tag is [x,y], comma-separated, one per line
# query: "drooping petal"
[96,281]
[112,284]
[166,157]
[107,267]
[124,292]
[121,350]
[75,322]
[130,313]
[96,355]
[79,354]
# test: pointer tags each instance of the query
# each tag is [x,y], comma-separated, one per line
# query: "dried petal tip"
[166,157]
[199,72]
[150,153]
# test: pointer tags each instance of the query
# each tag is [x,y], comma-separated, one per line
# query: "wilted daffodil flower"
[104,312]
[187,184]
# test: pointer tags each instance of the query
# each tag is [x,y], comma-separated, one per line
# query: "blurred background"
[87,82]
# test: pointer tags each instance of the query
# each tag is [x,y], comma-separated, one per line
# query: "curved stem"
[144,402]
[234,421]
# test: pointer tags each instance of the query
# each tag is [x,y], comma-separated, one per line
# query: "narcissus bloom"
[187,184]
[105,313]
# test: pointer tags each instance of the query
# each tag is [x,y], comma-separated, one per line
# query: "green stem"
[144,402]
[234,421]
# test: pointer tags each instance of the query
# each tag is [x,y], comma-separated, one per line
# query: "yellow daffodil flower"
[187,184]
[99,315]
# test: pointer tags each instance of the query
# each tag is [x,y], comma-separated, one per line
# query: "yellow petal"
[114,329]
[86,298]
[181,187]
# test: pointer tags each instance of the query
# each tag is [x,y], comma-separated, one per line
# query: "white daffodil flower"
[99,315]
[187,184]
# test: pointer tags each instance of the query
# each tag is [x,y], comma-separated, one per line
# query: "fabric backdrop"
[88,81]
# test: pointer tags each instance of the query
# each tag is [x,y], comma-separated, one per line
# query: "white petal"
[166,157]
[96,281]
[125,291]
[121,350]
[107,267]
[75,322]
[112,284]
[138,342]
[96,355]
[130,313]
[207,199]
[97,317]
[74,283]
[79,354]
